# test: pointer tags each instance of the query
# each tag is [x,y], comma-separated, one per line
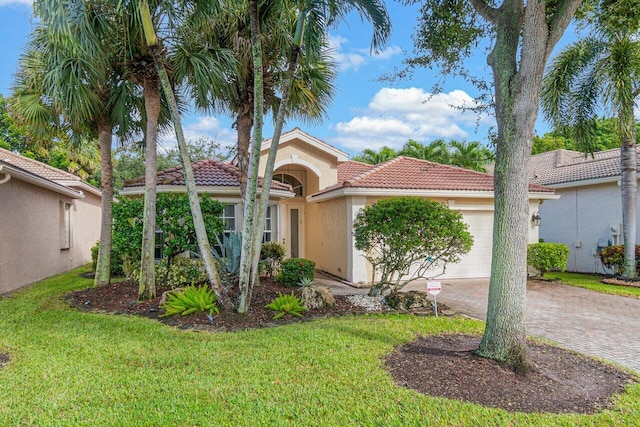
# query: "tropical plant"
[312,21]
[374,157]
[470,155]
[601,70]
[406,238]
[190,300]
[436,151]
[293,270]
[548,256]
[227,252]
[286,304]
[305,282]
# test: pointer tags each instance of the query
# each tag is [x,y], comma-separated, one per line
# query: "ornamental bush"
[293,270]
[405,238]
[545,257]
[271,255]
[612,257]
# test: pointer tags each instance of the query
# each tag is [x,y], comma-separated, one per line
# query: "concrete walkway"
[601,325]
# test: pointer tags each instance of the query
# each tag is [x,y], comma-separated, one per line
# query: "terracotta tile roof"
[207,173]
[351,169]
[35,167]
[562,166]
[406,173]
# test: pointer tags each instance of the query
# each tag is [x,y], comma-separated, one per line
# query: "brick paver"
[593,323]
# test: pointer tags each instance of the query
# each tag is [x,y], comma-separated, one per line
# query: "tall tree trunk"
[151,93]
[244,280]
[524,32]
[194,202]
[103,267]
[629,188]
[244,122]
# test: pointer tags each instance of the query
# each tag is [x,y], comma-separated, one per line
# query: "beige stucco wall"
[305,156]
[326,236]
[30,244]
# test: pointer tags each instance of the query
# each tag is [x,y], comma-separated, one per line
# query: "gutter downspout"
[6,176]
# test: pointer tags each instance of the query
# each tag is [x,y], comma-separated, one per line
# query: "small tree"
[405,238]
[548,256]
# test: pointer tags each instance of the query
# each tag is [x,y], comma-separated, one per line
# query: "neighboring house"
[588,215]
[50,219]
[320,191]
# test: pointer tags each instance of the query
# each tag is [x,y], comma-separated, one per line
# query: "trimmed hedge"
[548,256]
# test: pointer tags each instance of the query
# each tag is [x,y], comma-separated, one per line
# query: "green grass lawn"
[594,283]
[73,368]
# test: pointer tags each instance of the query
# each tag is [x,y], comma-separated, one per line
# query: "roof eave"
[391,192]
[210,189]
[40,181]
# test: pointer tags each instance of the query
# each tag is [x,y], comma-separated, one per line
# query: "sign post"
[434,289]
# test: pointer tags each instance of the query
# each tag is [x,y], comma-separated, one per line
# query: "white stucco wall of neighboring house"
[583,216]
[32,238]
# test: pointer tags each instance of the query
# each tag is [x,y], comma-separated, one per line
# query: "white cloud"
[395,115]
[353,59]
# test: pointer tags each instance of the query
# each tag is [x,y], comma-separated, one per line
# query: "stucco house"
[588,214]
[50,221]
[320,192]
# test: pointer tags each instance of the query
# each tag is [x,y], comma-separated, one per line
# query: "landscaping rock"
[164,296]
[315,296]
[408,301]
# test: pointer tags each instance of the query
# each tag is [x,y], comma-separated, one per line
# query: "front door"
[294,238]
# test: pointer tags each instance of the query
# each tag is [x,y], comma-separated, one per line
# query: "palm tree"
[313,19]
[470,155]
[374,157]
[312,89]
[68,77]
[436,151]
[602,70]
[203,68]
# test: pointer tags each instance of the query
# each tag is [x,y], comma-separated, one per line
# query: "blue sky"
[365,113]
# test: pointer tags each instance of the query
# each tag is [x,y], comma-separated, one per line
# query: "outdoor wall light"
[535,219]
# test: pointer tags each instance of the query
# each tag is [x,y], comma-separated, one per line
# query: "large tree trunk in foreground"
[151,93]
[522,32]
[244,122]
[629,189]
[103,266]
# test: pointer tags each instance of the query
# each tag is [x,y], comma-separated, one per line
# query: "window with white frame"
[270,224]
[65,225]
[229,218]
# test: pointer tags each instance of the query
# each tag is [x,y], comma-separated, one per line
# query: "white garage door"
[477,263]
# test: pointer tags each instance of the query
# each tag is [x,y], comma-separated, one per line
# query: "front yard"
[67,367]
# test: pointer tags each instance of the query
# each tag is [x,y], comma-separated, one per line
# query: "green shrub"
[286,304]
[116,260]
[295,269]
[613,257]
[180,272]
[271,256]
[545,257]
[94,256]
[190,300]
[407,238]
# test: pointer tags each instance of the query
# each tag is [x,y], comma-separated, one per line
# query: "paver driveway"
[593,323]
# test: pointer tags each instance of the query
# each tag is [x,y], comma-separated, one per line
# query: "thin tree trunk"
[244,122]
[194,202]
[147,288]
[248,230]
[103,267]
[629,188]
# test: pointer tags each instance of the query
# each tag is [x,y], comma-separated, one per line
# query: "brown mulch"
[620,282]
[444,366]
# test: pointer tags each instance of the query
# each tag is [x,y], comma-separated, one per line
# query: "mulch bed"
[621,282]
[444,366]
